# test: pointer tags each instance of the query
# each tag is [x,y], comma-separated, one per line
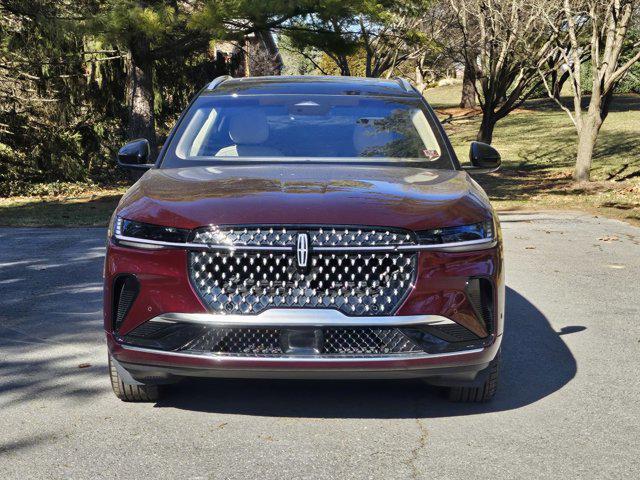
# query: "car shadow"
[536,363]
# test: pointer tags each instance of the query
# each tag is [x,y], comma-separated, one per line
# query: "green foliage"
[355,62]
[63,81]
[298,61]
[63,106]
[630,83]
[362,37]
[58,110]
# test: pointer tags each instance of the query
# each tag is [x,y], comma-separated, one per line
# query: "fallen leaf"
[84,365]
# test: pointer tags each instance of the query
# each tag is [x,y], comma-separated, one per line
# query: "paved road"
[568,406]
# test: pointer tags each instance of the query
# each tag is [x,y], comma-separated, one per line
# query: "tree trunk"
[140,92]
[419,79]
[345,70]
[468,87]
[485,134]
[587,137]
[368,61]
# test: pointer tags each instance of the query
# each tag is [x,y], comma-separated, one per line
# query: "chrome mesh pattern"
[318,236]
[336,341]
[354,283]
[359,341]
[254,341]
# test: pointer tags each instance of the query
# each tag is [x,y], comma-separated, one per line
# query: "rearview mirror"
[483,157]
[135,155]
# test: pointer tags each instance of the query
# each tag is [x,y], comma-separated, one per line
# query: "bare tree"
[510,42]
[443,50]
[596,29]
[394,38]
[468,99]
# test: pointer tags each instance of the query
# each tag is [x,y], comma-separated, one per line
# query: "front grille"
[249,282]
[293,341]
[250,341]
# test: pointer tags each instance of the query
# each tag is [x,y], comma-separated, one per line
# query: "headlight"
[146,231]
[463,233]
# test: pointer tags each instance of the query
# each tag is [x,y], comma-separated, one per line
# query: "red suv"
[305,227]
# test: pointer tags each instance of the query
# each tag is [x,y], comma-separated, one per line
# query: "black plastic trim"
[120,310]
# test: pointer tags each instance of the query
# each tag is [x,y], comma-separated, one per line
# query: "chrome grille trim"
[310,358]
[471,245]
[199,246]
[291,317]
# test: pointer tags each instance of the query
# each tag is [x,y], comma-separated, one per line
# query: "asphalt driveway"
[568,405]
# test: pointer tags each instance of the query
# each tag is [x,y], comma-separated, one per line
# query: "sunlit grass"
[538,145]
[87,210]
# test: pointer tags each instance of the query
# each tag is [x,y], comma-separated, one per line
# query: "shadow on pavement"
[51,315]
[536,363]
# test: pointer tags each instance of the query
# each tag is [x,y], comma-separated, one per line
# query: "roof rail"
[404,83]
[218,80]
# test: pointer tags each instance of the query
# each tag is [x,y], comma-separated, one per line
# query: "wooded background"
[78,78]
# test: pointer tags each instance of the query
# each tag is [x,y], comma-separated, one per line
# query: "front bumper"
[439,292]
[151,365]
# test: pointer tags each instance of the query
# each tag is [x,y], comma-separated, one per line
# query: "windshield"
[304,128]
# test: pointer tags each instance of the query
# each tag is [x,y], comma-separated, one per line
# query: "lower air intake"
[277,341]
[480,295]
[125,291]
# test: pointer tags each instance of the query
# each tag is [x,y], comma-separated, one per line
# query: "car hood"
[280,194]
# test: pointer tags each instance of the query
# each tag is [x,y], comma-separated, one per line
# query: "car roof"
[316,85]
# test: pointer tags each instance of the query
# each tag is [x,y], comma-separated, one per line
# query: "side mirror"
[483,157]
[135,155]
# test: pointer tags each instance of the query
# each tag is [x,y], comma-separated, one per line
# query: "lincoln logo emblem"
[302,250]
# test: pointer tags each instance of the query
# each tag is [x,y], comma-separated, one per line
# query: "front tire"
[482,393]
[131,393]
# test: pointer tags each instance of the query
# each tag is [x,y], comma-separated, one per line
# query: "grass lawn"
[87,209]
[537,143]
[538,146]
